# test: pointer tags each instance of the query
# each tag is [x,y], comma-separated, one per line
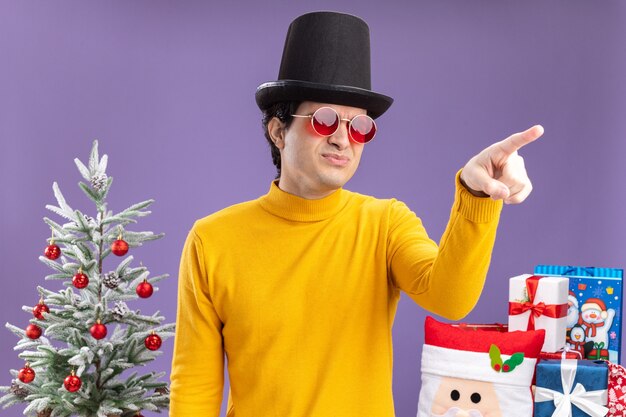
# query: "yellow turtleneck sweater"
[301,296]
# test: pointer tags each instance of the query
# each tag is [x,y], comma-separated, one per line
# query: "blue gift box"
[586,382]
[589,288]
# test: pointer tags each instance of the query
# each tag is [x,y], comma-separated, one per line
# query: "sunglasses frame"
[311,116]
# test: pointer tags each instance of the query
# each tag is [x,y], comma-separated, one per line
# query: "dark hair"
[283,112]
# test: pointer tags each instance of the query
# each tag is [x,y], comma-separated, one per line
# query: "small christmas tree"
[72,367]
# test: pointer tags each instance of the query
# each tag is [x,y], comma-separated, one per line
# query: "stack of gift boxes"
[578,373]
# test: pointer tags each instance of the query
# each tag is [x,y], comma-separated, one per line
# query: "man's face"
[313,166]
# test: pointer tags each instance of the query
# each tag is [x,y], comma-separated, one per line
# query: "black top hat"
[326,58]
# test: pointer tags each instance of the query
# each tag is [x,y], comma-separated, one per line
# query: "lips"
[336,159]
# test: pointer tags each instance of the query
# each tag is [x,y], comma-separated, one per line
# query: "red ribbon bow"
[554,311]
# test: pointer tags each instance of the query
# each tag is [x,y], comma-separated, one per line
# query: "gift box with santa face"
[473,372]
[594,312]
[539,303]
[571,387]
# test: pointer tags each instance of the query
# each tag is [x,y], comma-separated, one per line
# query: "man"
[299,288]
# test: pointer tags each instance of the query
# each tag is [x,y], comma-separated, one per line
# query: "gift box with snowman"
[594,309]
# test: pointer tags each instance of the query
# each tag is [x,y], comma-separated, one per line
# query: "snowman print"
[597,320]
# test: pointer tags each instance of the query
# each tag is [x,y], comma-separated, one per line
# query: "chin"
[334,181]
[337,177]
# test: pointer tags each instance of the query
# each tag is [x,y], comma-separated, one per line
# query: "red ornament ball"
[119,247]
[52,252]
[98,331]
[33,331]
[144,289]
[72,383]
[153,341]
[80,280]
[39,309]
[506,368]
[497,367]
[26,374]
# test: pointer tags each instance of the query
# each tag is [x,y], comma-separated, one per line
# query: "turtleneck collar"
[294,208]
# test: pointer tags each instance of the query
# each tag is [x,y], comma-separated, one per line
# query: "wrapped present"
[474,372]
[617,391]
[571,388]
[598,352]
[594,307]
[539,303]
[565,353]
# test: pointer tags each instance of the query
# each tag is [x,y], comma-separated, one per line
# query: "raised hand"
[498,171]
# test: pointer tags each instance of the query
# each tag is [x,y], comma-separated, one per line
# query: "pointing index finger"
[518,140]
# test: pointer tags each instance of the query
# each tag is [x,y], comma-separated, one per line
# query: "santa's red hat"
[458,352]
[461,353]
[595,304]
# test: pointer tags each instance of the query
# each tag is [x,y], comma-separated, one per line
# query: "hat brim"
[294,90]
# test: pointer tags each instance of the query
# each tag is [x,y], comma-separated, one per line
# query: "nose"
[340,139]
[593,315]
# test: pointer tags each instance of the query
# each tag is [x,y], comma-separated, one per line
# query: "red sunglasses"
[326,120]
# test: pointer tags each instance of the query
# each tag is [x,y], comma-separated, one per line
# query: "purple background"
[167,88]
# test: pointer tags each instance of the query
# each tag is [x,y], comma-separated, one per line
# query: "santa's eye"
[475,398]
[455,395]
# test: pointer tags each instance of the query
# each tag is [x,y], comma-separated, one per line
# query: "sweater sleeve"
[445,280]
[197,377]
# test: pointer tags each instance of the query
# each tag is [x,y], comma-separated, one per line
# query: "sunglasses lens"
[325,121]
[362,129]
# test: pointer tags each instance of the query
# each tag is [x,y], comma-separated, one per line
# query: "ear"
[276,130]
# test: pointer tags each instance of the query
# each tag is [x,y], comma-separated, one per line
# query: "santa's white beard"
[452,412]
[572,318]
